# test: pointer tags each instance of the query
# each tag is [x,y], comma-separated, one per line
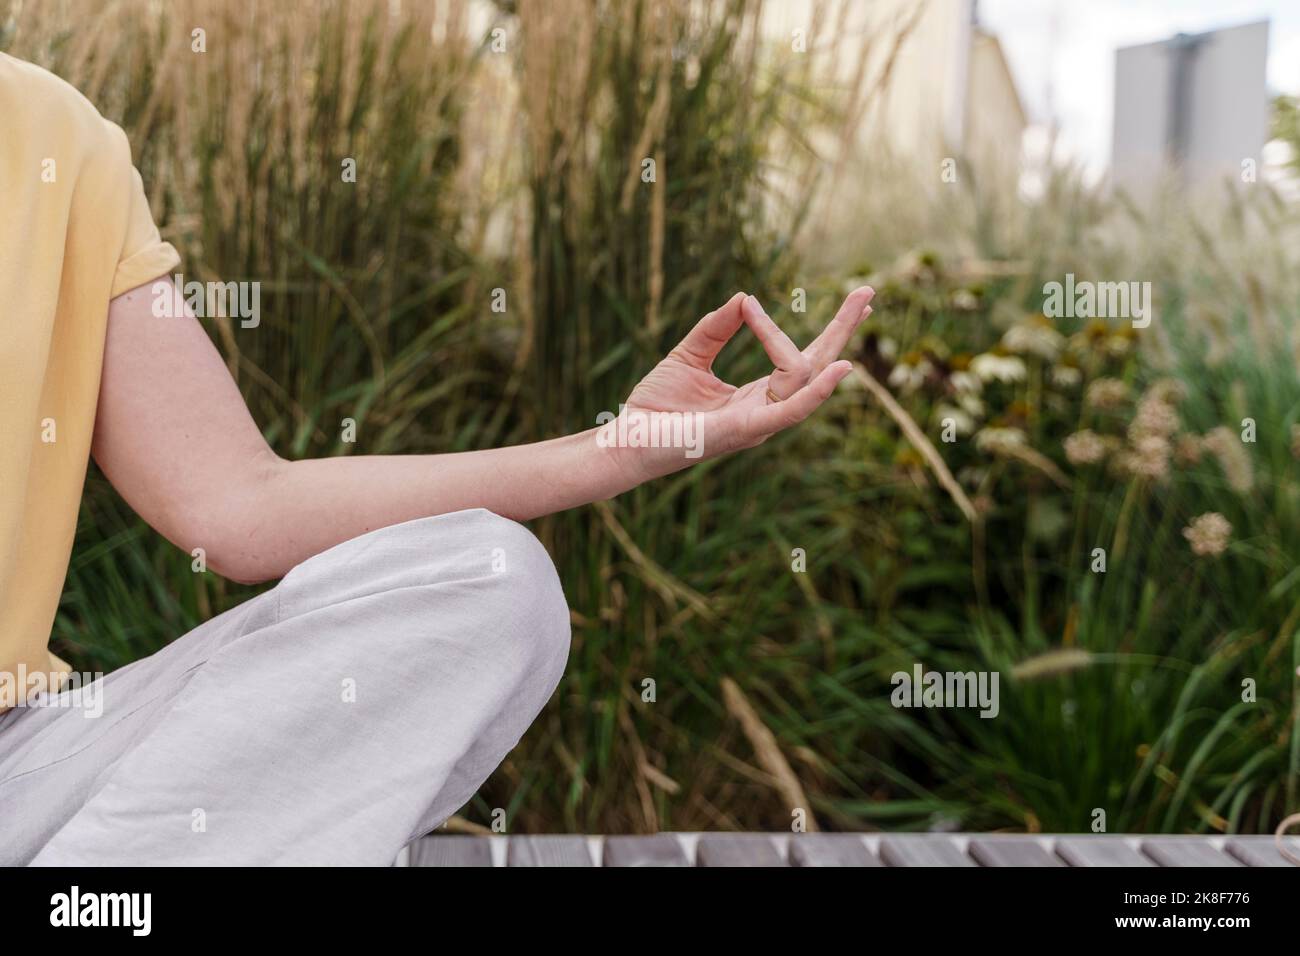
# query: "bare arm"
[175,438]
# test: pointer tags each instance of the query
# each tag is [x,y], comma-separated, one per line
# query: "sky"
[1062,52]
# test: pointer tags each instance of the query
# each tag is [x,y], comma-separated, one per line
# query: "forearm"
[173,435]
[184,452]
[295,509]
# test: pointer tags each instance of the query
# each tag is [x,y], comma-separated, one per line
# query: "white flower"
[963,424]
[1084,448]
[1066,376]
[1154,416]
[1002,368]
[999,440]
[1208,534]
[965,382]
[1148,457]
[971,404]
[1107,393]
[1233,458]
[965,301]
[1169,390]
[1188,449]
[1034,338]
[908,378]
[853,283]
[1117,345]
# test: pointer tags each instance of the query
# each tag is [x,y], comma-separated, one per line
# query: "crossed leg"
[330,720]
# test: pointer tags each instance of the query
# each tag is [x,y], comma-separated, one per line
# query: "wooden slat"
[1262,850]
[1099,851]
[849,849]
[737,849]
[452,851]
[1011,851]
[548,851]
[830,849]
[922,850]
[661,849]
[1185,851]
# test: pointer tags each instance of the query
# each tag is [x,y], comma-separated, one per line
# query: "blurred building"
[994,120]
[936,84]
[1195,105]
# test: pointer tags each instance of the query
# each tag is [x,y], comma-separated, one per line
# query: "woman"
[418,628]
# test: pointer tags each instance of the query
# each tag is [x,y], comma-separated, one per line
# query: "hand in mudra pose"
[175,438]
[731,417]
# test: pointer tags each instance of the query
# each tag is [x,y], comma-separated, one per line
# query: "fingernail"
[751,303]
[866,311]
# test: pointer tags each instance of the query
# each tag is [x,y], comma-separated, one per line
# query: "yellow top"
[77,232]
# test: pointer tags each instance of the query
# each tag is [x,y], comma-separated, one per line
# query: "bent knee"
[471,578]
[523,592]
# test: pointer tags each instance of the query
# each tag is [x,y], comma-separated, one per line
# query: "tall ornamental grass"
[547,196]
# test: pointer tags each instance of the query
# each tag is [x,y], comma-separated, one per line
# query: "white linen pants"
[330,720]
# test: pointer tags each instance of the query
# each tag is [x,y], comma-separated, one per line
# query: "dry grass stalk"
[659,579]
[913,433]
[1052,663]
[1039,461]
[461,825]
[1286,824]
[767,750]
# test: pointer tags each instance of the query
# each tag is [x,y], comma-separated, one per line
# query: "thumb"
[776,416]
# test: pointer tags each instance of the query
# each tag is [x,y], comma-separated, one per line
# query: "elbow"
[240,569]
[239,553]
[234,534]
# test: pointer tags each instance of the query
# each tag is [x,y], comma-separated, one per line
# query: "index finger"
[785,355]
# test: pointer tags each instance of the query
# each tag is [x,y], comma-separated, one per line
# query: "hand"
[690,413]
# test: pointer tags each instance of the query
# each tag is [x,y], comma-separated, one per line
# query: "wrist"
[640,444]
[609,465]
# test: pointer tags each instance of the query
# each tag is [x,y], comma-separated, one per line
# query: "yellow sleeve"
[144,254]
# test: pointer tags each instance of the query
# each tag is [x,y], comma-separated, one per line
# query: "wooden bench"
[849,849]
